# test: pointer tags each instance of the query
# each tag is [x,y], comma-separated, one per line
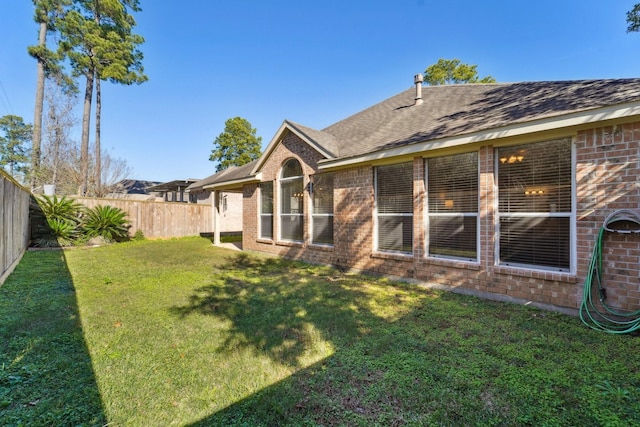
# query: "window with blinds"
[266,210]
[452,183]
[394,205]
[322,216]
[291,201]
[534,204]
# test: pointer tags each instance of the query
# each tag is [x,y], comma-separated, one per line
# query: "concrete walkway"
[236,246]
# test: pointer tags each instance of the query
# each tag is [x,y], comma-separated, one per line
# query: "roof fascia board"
[235,183]
[571,120]
[272,145]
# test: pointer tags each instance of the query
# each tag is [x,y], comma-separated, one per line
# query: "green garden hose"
[599,315]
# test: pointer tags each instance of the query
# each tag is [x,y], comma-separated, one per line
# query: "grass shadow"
[278,309]
[403,355]
[46,375]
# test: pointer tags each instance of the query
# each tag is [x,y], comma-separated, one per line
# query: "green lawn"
[178,332]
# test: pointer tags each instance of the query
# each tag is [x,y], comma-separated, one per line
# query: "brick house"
[495,188]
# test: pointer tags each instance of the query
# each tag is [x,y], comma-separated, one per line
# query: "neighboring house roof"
[133,186]
[228,175]
[457,114]
[176,185]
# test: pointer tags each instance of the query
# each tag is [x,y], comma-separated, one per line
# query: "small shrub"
[60,226]
[61,209]
[139,235]
[107,222]
[63,231]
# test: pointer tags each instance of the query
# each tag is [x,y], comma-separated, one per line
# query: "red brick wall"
[607,179]
[290,147]
[607,171]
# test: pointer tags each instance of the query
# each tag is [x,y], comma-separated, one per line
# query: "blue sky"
[312,62]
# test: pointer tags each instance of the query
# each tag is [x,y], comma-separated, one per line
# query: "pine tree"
[98,40]
[237,145]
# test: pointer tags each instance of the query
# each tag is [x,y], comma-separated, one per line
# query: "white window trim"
[261,215]
[280,214]
[428,215]
[573,237]
[376,215]
[313,215]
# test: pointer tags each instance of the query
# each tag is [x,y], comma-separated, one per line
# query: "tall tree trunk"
[84,141]
[98,167]
[98,177]
[56,143]
[37,113]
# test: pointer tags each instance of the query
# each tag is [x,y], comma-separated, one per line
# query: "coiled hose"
[598,315]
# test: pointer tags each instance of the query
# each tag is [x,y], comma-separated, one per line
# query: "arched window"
[291,201]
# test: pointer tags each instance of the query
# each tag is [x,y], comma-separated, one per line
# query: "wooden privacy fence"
[14,223]
[160,219]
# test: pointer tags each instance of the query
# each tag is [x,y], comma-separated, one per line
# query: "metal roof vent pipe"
[417,80]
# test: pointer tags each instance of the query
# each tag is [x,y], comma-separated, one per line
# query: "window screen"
[534,204]
[266,210]
[452,183]
[322,217]
[394,202]
[291,201]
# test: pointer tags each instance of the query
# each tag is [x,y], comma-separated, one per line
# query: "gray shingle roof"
[455,110]
[231,173]
[452,111]
[325,140]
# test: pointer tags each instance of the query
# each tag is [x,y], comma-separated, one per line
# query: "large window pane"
[453,236]
[452,184]
[395,233]
[323,229]
[266,226]
[395,188]
[394,203]
[266,197]
[534,204]
[535,177]
[291,196]
[535,241]
[322,225]
[291,201]
[266,210]
[291,227]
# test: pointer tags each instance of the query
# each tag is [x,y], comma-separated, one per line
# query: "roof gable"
[323,142]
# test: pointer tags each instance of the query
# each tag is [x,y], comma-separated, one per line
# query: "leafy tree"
[452,71]
[47,12]
[14,151]
[633,19]
[237,145]
[98,40]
